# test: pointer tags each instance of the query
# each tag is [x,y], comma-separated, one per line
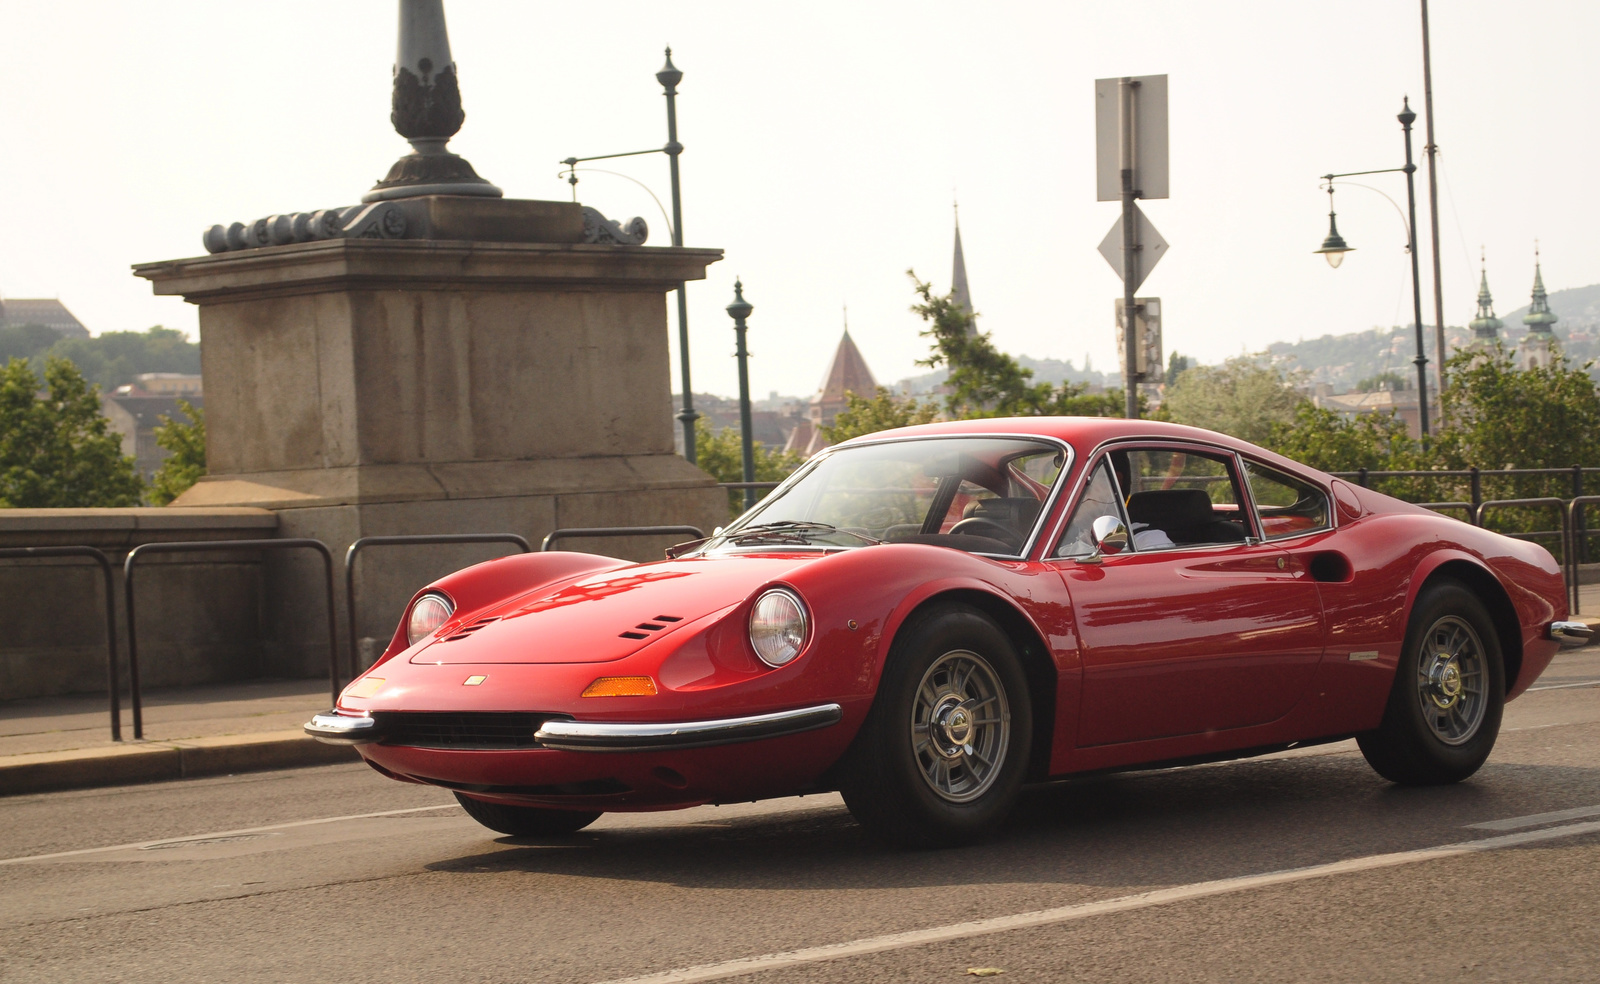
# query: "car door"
[1205,629]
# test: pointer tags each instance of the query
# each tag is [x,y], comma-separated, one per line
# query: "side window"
[1286,506]
[1099,499]
[1181,498]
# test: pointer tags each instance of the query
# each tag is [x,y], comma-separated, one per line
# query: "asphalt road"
[1300,867]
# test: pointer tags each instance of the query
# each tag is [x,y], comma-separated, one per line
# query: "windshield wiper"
[791,531]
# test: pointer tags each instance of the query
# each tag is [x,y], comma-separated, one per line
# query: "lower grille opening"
[474,729]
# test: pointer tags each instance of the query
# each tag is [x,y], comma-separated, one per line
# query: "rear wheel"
[526,821]
[1444,710]
[943,751]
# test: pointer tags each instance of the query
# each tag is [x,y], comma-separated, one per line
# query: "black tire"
[526,821]
[1448,696]
[960,779]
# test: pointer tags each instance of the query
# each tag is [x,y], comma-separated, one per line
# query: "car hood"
[599,618]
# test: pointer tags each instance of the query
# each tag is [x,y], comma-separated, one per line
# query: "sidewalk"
[65,742]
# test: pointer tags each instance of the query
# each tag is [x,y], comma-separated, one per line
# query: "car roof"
[1085,434]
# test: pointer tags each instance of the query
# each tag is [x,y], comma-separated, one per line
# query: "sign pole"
[1128,93]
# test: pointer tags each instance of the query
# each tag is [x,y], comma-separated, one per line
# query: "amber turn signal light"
[365,687]
[632,686]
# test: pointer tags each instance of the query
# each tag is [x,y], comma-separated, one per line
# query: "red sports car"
[928,618]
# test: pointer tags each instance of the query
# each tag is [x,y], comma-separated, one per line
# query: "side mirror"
[1110,537]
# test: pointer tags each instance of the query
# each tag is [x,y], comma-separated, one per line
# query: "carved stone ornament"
[427,107]
[379,220]
[599,229]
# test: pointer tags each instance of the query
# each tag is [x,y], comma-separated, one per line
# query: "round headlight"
[778,627]
[427,614]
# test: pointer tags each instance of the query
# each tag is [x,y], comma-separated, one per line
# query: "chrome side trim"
[342,729]
[1572,634]
[596,736]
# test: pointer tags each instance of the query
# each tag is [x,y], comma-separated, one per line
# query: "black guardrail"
[1575,530]
[351,554]
[694,532]
[211,546]
[113,687]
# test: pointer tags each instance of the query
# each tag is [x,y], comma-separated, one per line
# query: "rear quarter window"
[1286,506]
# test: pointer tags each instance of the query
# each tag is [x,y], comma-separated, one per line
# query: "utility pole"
[1127,89]
[1431,150]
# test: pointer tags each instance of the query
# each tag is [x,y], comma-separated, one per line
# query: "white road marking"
[1085,910]
[1537,819]
[211,837]
[1565,686]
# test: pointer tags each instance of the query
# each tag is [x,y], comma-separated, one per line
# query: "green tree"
[864,415]
[187,442]
[1240,397]
[1498,416]
[1176,366]
[1387,381]
[25,341]
[56,449]
[720,453]
[986,382]
[113,358]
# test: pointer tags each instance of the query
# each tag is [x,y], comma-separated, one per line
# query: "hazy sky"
[824,143]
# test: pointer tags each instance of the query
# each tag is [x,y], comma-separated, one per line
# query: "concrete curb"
[156,761]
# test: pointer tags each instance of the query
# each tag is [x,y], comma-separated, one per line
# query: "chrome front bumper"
[595,736]
[1572,634]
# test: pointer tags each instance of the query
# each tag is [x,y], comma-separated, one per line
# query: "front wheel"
[942,754]
[1449,691]
[526,821]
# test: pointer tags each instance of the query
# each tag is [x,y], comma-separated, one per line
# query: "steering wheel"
[979,526]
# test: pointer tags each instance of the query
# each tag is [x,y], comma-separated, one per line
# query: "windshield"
[982,494]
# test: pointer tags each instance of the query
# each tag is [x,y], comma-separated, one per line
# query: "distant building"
[170,384]
[41,311]
[1401,403]
[1537,348]
[958,277]
[847,373]
[1485,327]
[136,417]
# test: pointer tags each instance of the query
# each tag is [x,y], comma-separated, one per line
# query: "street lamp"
[1334,247]
[739,310]
[669,77]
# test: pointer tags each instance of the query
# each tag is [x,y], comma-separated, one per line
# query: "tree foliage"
[882,411]
[1499,416]
[1240,397]
[986,382]
[56,450]
[187,442]
[109,359]
[721,454]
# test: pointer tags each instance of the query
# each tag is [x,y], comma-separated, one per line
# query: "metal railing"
[694,532]
[1576,531]
[1473,475]
[351,554]
[113,685]
[205,546]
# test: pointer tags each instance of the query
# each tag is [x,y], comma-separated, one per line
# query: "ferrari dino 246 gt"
[927,619]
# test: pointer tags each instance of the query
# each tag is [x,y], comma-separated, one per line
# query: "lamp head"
[669,76]
[740,308]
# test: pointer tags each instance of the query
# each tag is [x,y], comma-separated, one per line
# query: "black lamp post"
[669,77]
[739,310]
[1334,248]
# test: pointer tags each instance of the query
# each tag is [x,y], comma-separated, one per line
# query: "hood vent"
[644,630]
[467,630]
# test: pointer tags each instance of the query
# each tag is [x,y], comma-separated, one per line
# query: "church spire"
[958,275]
[1485,327]
[1539,317]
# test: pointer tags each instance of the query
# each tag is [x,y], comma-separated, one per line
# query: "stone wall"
[200,616]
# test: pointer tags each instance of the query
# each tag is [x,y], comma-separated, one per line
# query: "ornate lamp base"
[431,170]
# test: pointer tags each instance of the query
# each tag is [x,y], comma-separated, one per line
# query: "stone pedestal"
[366,387]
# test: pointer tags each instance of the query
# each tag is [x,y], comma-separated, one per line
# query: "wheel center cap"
[1444,681]
[955,725]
